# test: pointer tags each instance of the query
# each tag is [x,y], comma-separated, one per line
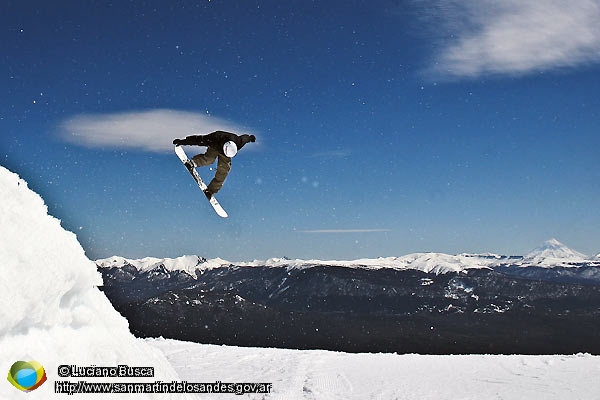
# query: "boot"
[189,164]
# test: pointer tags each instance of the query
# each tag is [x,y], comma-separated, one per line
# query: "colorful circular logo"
[27,375]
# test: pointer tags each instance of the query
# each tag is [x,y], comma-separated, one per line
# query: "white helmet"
[230,149]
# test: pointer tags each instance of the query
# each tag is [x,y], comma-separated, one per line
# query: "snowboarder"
[220,144]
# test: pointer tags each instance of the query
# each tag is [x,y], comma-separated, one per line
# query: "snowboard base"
[212,200]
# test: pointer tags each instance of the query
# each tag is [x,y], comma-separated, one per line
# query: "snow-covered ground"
[52,312]
[315,374]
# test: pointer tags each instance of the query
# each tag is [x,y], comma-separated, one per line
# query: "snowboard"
[212,200]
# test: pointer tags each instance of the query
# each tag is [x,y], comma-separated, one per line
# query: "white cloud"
[152,130]
[345,230]
[516,36]
[332,154]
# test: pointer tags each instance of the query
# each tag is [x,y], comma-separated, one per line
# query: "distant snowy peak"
[553,253]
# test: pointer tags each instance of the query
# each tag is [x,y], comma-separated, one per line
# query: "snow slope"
[324,375]
[51,308]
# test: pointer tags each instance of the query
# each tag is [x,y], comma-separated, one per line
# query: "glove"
[177,142]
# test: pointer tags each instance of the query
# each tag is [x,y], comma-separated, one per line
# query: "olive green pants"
[223,167]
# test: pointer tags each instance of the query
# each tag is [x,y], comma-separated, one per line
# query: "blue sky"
[383,127]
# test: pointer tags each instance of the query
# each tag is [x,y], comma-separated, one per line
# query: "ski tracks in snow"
[324,381]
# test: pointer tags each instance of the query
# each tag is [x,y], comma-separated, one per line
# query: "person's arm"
[243,139]
[193,140]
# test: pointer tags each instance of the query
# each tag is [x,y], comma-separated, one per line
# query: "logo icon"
[27,375]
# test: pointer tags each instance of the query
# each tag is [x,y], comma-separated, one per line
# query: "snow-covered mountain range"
[374,305]
[551,253]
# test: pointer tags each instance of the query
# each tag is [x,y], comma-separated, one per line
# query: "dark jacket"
[216,140]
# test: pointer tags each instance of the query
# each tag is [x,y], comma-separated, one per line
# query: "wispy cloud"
[345,230]
[152,130]
[332,154]
[516,36]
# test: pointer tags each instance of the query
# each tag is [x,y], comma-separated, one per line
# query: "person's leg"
[223,168]
[202,160]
